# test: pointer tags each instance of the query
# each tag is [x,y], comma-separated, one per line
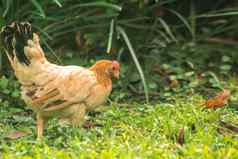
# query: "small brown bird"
[51,90]
[219,100]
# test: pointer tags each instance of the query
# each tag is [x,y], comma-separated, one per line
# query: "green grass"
[129,131]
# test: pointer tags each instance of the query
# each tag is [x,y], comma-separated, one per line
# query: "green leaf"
[38,7]
[167,29]
[189,74]
[4,82]
[152,85]
[58,3]
[172,77]
[225,67]
[6,91]
[15,94]
[134,77]
[226,59]
[166,66]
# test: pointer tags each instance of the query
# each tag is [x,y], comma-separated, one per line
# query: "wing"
[72,85]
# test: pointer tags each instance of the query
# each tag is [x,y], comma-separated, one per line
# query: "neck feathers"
[102,77]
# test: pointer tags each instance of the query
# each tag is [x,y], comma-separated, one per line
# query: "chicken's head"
[115,69]
[110,68]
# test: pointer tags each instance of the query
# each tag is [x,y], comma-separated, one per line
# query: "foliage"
[178,53]
[9,92]
[176,32]
[130,130]
[172,31]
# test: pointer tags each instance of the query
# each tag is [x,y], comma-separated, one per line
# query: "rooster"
[50,90]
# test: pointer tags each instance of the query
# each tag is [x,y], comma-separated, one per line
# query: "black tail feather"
[14,38]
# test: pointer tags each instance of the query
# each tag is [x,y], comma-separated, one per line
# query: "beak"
[117,75]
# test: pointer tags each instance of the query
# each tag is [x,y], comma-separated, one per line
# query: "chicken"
[50,90]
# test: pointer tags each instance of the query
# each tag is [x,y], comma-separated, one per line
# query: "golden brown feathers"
[53,90]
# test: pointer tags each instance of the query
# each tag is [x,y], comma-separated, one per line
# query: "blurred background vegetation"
[164,46]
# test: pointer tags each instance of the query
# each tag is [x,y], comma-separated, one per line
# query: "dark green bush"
[187,36]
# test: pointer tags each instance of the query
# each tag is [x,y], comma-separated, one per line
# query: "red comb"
[116,64]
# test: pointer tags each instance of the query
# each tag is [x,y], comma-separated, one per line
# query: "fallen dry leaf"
[25,113]
[173,83]
[199,76]
[222,131]
[158,68]
[78,39]
[219,100]
[16,135]
[90,124]
[180,138]
[229,126]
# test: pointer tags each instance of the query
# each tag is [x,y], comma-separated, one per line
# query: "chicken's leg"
[40,125]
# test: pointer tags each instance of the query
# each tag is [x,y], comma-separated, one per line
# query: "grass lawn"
[129,131]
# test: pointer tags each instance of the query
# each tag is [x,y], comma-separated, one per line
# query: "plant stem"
[133,54]
[109,44]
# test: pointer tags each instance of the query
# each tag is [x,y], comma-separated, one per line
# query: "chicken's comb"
[116,64]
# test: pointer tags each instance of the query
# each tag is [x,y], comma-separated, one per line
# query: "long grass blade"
[217,14]
[99,4]
[38,7]
[58,3]
[43,32]
[134,57]
[167,29]
[120,52]
[52,51]
[8,6]
[109,44]
[167,39]
[185,22]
